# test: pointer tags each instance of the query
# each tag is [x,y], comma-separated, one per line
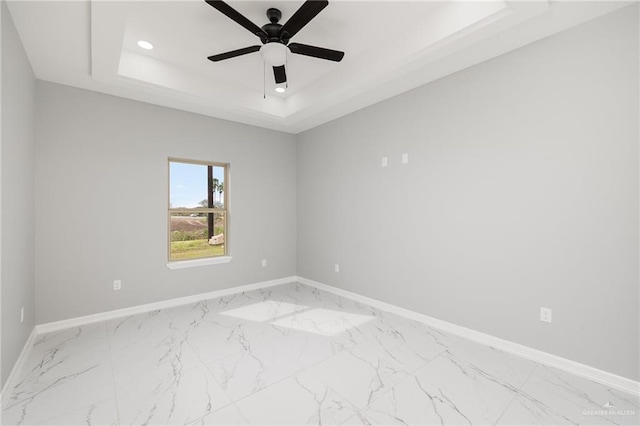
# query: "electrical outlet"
[405,158]
[384,161]
[117,284]
[337,267]
[264,262]
[22,314]
[545,315]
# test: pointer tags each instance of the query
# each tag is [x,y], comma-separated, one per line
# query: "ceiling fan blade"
[306,13]
[233,53]
[236,16]
[316,52]
[280,74]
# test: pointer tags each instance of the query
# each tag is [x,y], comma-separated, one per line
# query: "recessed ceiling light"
[145,44]
[280,89]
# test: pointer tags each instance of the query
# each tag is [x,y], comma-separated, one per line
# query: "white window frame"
[201,261]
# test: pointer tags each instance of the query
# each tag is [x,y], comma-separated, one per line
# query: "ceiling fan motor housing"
[273,29]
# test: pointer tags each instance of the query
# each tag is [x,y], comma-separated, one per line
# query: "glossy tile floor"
[292,355]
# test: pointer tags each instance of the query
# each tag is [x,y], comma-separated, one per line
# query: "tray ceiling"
[390,47]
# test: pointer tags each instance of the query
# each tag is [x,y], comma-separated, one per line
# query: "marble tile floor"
[292,355]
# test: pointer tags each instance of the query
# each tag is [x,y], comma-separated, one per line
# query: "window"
[198,203]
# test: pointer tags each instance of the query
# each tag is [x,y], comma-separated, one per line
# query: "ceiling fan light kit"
[275,37]
[274,54]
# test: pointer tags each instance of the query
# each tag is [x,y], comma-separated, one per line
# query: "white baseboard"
[119,313]
[573,367]
[9,384]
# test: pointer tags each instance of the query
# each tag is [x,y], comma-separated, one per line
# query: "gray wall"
[101,168]
[17,184]
[521,191]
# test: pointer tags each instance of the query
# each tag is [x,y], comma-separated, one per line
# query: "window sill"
[181,264]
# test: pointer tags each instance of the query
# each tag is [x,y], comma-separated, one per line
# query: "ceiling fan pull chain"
[264,80]
[286,66]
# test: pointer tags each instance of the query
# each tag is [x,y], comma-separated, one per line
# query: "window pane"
[218,187]
[187,185]
[219,234]
[197,235]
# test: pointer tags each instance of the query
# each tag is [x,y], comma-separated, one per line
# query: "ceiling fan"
[275,37]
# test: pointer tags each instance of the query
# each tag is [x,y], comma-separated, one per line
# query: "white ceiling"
[390,47]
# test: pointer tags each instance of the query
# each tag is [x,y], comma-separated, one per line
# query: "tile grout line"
[356,408]
[275,382]
[506,408]
[359,409]
[572,367]
[203,365]
[113,374]
[233,402]
[295,373]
